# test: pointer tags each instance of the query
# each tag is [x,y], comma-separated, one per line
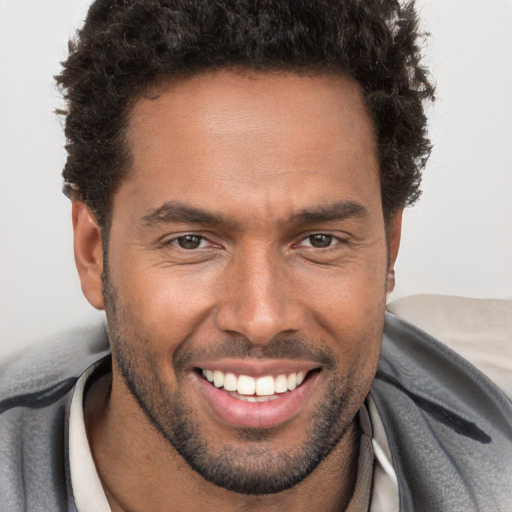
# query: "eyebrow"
[178,212]
[332,212]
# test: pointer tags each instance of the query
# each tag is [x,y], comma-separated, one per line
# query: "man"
[237,172]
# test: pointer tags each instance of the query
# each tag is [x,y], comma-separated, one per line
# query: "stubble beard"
[250,470]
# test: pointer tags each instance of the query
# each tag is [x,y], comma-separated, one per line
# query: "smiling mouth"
[260,389]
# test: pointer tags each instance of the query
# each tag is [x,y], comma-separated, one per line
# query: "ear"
[88,253]
[394,232]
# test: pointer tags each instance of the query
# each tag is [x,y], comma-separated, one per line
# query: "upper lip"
[257,367]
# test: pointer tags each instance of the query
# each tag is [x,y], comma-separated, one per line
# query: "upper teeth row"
[246,385]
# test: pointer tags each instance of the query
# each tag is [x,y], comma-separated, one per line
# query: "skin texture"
[274,159]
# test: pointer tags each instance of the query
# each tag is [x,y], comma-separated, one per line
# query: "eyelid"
[336,238]
[202,240]
[173,240]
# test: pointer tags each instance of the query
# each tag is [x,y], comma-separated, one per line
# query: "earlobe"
[394,233]
[88,253]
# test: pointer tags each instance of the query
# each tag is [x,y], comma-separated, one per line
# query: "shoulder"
[35,390]
[429,367]
[449,427]
[52,361]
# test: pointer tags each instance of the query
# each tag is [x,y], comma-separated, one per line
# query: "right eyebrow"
[177,212]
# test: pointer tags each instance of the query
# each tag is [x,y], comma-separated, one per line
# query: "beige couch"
[478,329]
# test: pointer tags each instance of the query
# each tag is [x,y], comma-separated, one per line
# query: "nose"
[257,298]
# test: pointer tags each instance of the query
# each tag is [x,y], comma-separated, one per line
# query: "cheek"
[348,304]
[164,304]
[354,293]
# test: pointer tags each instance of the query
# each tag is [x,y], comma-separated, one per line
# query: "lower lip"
[256,414]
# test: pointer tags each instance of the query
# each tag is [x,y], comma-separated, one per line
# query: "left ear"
[394,231]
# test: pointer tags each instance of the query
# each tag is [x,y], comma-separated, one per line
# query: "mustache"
[289,348]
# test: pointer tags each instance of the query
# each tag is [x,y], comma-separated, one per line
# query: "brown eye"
[189,241]
[320,240]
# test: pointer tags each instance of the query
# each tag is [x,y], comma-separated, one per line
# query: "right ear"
[88,253]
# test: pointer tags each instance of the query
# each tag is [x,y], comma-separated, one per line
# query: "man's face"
[248,243]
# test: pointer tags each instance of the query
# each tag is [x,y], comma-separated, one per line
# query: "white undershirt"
[90,497]
[85,482]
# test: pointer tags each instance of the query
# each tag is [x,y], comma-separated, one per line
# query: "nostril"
[260,319]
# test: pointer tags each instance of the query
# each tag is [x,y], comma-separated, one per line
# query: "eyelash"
[201,239]
[176,241]
[332,242]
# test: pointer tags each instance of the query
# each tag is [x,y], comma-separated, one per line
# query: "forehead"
[254,135]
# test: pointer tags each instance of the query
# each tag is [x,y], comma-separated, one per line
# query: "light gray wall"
[39,290]
[457,240]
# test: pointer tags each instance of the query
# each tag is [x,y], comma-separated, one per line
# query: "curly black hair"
[125,46]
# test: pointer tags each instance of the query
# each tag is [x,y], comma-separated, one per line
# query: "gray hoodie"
[448,427]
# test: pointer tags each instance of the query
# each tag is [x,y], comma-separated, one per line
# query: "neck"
[140,470]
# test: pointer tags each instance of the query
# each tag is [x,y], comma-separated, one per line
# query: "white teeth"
[265,386]
[230,382]
[281,384]
[246,385]
[292,381]
[218,379]
[255,390]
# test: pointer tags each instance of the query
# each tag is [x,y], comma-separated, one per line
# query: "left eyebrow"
[332,212]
